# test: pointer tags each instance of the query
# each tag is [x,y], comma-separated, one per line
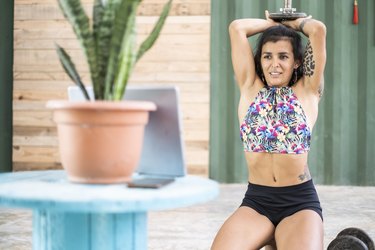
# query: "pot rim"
[102,105]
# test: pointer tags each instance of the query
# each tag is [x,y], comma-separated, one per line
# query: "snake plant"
[109,46]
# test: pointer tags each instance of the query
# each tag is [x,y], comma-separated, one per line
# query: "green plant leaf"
[149,42]
[70,69]
[103,38]
[75,14]
[127,55]
[98,12]
[124,11]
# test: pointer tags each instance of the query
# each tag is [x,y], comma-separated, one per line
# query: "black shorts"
[276,203]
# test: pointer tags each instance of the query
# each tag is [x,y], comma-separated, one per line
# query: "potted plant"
[100,140]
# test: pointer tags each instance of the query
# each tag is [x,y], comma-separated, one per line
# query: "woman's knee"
[244,229]
[304,228]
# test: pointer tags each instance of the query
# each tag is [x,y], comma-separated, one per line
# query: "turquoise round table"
[85,217]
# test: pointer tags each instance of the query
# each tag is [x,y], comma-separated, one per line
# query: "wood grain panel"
[61,29]
[144,67]
[36,42]
[31,154]
[156,54]
[35,141]
[50,10]
[31,2]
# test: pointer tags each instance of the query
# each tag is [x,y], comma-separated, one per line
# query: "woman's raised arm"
[242,54]
[315,53]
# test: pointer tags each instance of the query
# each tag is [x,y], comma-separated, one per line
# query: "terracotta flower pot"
[101,141]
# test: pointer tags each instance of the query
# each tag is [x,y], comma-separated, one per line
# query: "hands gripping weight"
[287,13]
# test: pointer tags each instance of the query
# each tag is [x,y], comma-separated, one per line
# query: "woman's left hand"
[295,24]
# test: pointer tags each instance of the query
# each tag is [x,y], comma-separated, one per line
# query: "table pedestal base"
[89,231]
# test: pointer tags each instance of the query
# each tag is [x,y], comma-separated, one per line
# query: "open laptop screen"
[163,152]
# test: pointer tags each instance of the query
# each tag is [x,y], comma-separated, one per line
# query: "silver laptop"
[163,152]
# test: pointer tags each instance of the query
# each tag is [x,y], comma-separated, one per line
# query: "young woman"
[280,90]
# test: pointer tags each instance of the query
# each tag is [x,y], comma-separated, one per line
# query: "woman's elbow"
[234,26]
[320,29]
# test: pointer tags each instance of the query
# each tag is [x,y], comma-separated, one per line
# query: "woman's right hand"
[271,21]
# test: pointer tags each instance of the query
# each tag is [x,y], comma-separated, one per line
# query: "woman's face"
[278,63]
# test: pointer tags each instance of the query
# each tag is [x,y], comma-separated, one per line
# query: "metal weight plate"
[278,17]
[360,234]
[347,242]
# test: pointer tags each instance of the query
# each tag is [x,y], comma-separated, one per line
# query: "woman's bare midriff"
[277,170]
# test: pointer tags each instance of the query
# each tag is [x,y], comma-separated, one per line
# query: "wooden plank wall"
[180,57]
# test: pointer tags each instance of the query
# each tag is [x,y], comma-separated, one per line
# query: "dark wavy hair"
[274,34]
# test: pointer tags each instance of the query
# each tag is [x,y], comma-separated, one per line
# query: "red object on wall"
[355,12]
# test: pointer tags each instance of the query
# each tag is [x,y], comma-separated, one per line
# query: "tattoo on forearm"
[302,24]
[308,61]
[305,175]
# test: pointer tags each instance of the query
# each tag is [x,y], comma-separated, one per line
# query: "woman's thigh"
[244,229]
[302,230]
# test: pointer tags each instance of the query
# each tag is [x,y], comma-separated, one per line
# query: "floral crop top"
[276,123]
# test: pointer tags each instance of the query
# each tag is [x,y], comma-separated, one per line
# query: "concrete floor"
[194,227]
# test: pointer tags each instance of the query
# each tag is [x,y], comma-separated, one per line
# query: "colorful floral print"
[276,123]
